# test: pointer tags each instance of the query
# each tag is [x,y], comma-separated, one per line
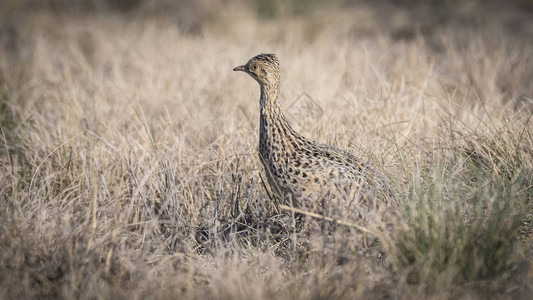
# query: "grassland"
[129,164]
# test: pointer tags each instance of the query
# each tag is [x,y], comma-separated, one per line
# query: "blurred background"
[267,25]
[402,19]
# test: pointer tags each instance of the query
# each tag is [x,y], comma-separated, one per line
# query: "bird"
[305,172]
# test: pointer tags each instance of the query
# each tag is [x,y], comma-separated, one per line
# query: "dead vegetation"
[129,163]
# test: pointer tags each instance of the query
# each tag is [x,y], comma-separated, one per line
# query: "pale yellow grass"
[130,146]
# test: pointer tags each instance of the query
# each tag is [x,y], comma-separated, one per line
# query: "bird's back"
[309,172]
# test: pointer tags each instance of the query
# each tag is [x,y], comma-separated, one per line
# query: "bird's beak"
[240,68]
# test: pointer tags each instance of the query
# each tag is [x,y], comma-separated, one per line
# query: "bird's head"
[264,68]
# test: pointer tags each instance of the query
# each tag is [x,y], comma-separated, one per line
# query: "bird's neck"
[271,117]
[268,102]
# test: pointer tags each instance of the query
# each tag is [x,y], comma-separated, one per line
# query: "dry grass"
[129,166]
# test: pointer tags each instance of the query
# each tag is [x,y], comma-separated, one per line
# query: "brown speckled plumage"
[304,170]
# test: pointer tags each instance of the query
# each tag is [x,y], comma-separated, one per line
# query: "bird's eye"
[253,67]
